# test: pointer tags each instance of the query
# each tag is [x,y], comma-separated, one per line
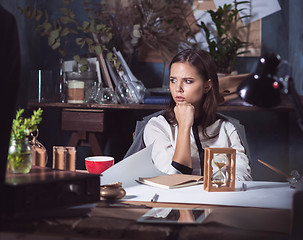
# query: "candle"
[70,159]
[58,159]
[40,157]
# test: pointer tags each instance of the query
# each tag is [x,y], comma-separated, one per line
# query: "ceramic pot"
[112,191]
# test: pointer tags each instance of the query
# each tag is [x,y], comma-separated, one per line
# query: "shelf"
[233,105]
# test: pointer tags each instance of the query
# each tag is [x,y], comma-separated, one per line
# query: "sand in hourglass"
[219,178]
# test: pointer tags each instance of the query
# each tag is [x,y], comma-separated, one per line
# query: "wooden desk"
[104,222]
[87,120]
[233,105]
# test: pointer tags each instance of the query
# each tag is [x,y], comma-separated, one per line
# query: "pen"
[128,205]
[155,198]
[274,169]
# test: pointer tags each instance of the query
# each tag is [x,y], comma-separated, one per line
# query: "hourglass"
[219,177]
[219,181]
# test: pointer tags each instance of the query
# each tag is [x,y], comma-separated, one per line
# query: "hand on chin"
[184,113]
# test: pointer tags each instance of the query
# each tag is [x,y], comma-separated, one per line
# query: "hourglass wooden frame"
[230,169]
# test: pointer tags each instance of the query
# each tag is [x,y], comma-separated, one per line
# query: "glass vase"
[19,156]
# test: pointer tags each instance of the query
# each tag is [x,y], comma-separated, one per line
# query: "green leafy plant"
[226,45]
[65,27]
[23,127]
[19,154]
[160,25]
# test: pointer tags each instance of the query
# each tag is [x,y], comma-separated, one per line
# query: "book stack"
[157,100]
[158,96]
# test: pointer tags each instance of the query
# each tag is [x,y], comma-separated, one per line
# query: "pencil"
[274,169]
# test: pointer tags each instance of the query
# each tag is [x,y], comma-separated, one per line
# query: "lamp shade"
[261,88]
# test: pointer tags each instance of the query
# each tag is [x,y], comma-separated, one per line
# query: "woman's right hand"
[184,113]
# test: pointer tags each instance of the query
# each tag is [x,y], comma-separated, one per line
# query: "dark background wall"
[273,136]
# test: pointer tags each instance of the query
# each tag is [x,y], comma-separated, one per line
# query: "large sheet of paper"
[258,194]
[129,169]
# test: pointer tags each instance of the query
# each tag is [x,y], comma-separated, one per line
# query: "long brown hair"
[206,68]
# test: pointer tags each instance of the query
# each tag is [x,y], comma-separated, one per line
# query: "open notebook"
[172,181]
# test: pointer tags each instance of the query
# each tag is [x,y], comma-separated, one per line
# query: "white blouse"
[164,136]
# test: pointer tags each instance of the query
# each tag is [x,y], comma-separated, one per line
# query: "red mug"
[98,164]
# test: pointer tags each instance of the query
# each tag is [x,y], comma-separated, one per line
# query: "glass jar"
[20,156]
[79,85]
[107,96]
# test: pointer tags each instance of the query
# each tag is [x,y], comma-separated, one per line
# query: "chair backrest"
[138,142]
[241,131]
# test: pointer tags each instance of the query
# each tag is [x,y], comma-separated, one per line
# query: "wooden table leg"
[75,138]
[93,142]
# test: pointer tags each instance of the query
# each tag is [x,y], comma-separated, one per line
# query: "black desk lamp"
[263,89]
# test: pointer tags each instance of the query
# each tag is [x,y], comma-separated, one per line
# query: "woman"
[191,121]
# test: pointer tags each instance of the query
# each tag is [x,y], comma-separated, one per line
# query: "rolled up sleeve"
[159,132]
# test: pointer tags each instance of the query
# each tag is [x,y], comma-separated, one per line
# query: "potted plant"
[64,30]
[145,27]
[20,153]
[224,45]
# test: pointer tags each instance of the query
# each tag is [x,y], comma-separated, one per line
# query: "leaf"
[89,41]
[55,33]
[83,61]
[65,20]
[65,32]
[21,127]
[84,68]
[56,44]
[85,25]
[79,41]
[91,48]
[39,15]
[109,56]
[100,27]
[77,58]
[98,50]
[91,27]
[53,39]
[109,36]
[46,27]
